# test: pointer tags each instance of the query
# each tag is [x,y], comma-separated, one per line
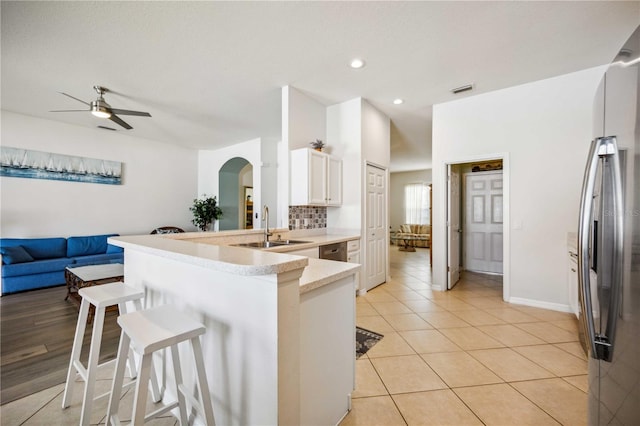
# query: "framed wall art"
[25,163]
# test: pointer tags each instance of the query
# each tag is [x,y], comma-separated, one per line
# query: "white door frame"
[506,239]
[453,272]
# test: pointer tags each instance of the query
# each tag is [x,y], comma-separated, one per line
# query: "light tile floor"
[45,407]
[464,357]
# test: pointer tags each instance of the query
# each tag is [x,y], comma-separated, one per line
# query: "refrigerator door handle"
[600,345]
[605,342]
[584,226]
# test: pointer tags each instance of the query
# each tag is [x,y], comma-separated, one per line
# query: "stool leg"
[156,394]
[205,396]
[142,389]
[131,364]
[178,375]
[75,353]
[92,365]
[118,377]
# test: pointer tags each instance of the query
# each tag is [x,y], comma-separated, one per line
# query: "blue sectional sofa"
[31,263]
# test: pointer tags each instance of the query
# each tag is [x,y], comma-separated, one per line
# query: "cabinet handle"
[573,270]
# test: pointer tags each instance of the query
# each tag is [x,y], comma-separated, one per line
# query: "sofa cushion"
[84,246]
[17,254]
[36,267]
[31,282]
[405,228]
[114,249]
[39,248]
[424,229]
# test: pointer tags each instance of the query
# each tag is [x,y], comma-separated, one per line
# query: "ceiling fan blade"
[73,97]
[70,110]
[129,112]
[119,121]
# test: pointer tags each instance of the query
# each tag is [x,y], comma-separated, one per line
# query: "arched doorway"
[234,176]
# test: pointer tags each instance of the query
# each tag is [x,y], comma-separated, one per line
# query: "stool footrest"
[108,393]
[160,411]
[82,371]
[193,401]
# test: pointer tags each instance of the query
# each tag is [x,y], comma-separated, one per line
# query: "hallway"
[464,357]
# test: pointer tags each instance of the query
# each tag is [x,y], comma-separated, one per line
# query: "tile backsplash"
[307,217]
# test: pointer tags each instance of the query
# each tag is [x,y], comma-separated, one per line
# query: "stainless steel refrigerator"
[609,245]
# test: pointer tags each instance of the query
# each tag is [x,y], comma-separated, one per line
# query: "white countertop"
[248,261]
[235,260]
[321,272]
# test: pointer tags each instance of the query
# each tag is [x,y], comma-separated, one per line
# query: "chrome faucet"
[265,218]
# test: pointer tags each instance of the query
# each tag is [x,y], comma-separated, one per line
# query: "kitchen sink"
[268,244]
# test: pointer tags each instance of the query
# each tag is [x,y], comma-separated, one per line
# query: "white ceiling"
[210,73]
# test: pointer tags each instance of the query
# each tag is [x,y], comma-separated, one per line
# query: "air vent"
[462,89]
[106,128]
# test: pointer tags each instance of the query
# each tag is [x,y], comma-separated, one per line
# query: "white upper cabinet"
[316,178]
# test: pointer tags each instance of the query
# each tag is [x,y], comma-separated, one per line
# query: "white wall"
[397,181]
[344,136]
[159,183]
[306,118]
[543,129]
[210,162]
[376,136]
[303,120]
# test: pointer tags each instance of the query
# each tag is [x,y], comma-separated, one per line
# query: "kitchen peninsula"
[279,347]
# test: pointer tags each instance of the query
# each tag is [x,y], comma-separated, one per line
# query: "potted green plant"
[317,145]
[205,211]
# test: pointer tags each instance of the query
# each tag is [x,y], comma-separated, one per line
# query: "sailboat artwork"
[25,163]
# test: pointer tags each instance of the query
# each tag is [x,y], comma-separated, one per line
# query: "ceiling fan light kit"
[100,108]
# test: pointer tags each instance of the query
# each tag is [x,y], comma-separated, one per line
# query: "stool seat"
[146,332]
[100,297]
[153,329]
[105,295]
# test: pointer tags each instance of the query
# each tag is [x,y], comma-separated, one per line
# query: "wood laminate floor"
[36,335]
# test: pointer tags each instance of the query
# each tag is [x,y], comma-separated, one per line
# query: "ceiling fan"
[100,108]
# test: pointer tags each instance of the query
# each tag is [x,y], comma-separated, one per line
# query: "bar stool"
[100,297]
[149,331]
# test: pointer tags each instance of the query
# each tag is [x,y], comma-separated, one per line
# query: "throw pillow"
[16,254]
[405,229]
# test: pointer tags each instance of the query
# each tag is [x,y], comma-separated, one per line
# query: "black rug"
[365,339]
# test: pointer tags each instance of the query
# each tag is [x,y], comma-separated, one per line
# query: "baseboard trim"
[540,304]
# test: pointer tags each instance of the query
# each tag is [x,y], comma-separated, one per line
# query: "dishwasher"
[336,251]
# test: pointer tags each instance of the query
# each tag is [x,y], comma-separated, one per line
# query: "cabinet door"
[317,177]
[334,182]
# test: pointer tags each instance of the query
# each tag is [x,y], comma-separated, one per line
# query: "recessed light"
[357,63]
[397,101]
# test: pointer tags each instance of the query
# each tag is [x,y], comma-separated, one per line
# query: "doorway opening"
[477,219]
[234,178]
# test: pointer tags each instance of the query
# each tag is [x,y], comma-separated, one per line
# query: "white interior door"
[376,226]
[453,226]
[483,222]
